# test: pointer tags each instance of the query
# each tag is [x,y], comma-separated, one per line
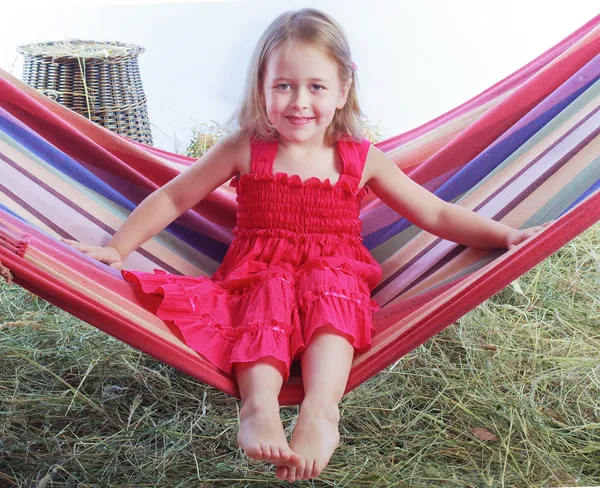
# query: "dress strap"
[262,154]
[354,156]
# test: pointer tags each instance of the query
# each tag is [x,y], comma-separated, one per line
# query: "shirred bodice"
[285,202]
[281,201]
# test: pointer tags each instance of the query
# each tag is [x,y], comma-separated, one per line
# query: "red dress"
[296,263]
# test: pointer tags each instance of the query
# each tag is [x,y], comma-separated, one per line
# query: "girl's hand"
[516,236]
[105,254]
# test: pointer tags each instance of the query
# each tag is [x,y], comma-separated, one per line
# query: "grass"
[509,396]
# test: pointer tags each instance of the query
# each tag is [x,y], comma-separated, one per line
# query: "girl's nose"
[300,100]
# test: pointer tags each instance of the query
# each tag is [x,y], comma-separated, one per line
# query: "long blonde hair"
[320,31]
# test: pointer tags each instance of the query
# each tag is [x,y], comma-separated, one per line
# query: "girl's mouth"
[299,120]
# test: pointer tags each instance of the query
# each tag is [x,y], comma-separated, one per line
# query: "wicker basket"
[99,80]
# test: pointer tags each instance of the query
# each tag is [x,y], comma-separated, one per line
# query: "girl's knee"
[265,369]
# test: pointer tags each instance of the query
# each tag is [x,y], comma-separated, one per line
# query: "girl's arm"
[433,214]
[167,203]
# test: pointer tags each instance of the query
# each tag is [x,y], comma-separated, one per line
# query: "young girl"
[296,280]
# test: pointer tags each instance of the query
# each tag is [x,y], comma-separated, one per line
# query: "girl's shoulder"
[375,161]
[237,150]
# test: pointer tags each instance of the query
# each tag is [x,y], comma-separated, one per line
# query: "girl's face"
[301,92]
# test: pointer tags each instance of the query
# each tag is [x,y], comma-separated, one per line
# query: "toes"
[282,472]
[316,470]
[266,451]
[291,477]
[294,460]
[275,454]
[254,451]
[279,456]
[284,456]
[295,473]
[308,470]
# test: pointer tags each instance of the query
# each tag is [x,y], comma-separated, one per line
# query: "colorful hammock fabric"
[524,152]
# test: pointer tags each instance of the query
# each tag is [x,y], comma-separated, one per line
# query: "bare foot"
[261,434]
[315,438]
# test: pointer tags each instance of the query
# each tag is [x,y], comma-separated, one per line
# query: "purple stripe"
[79,210]
[33,211]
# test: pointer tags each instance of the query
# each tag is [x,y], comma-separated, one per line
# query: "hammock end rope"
[5,273]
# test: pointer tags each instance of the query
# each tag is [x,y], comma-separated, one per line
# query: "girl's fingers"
[72,243]
[94,254]
[86,248]
[101,256]
[531,231]
[98,253]
[80,246]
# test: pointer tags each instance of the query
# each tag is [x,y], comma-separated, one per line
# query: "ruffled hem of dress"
[350,313]
[370,272]
[220,343]
[326,291]
[296,181]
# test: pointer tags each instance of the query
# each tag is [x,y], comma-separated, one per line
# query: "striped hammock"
[525,151]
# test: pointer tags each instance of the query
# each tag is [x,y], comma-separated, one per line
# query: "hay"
[508,396]
[81,49]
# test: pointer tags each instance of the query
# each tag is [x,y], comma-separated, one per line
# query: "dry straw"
[506,397]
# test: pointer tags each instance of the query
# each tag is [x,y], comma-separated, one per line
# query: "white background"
[416,59]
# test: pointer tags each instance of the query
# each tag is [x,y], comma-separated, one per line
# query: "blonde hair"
[320,31]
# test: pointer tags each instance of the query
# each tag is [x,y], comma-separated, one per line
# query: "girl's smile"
[299,121]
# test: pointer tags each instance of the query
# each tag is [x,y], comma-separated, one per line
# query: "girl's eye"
[318,87]
[283,86]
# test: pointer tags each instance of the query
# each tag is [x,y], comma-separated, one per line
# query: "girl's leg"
[326,364]
[261,434]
